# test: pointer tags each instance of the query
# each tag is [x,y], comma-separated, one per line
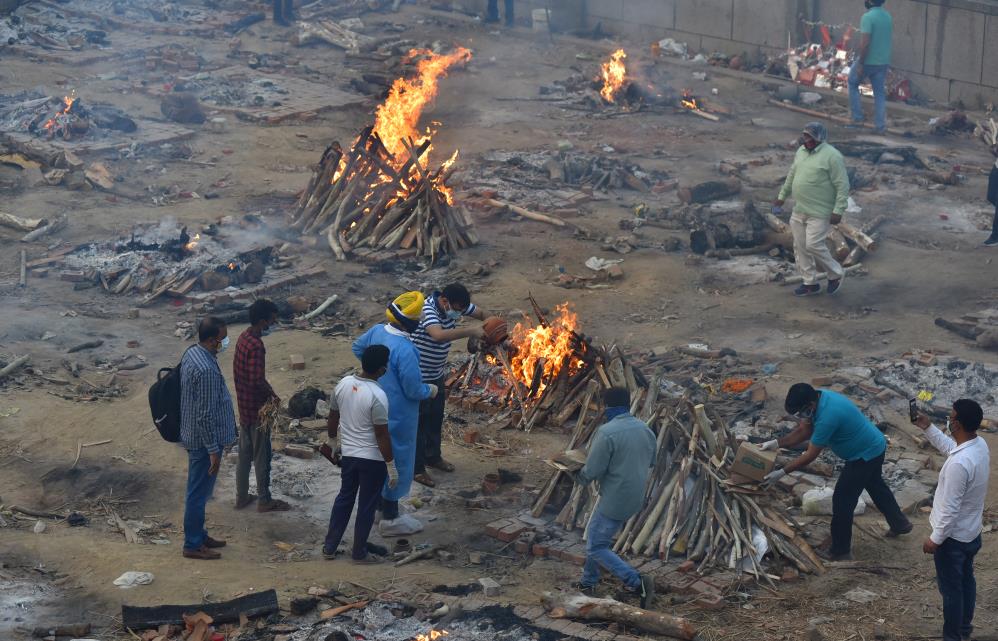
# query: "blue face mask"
[224,345]
[265,332]
[453,314]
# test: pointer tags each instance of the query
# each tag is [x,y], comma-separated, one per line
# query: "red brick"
[539,550]
[680,583]
[822,381]
[471,436]
[686,566]
[790,575]
[651,566]
[722,580]
[703,587]
[513,531]
[525,543]
[575,554]
[710,602]
[493,528]
[557,550]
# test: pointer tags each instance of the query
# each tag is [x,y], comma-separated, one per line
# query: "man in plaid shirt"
[249,371]
[207,427]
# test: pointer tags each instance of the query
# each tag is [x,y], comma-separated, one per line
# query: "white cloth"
[958,506]
[811,250]
[362,404]
[404,525]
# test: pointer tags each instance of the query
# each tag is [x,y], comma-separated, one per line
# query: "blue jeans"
[199,487]
[955,576]
[598,553]
[878,78]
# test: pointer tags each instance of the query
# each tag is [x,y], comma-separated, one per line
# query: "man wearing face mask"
[958,513]
[437,330]
[404,388]
[829,419]
[620,459]
[249,373]
[820,187]
[207,427]
[872,61]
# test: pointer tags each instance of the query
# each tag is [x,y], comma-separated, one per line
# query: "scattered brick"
[72,276]
[490,587]
[704,587]
[493,528]
[513,531]
[525,543]
[297,362]
[686,566]
[651,566]
[680,583]
[710,602]
[539,550]
[470,436]
[790,575]
[575,554]
[822,381]
[926,359]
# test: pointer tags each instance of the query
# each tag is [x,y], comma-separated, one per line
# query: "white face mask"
[224,345]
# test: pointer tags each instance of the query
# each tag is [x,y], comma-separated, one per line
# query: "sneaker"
[834,285]
[588,590]
[647,591]
[992,241]
[893,534]
[807,290]
[374,548]
[329,555]
[404,525]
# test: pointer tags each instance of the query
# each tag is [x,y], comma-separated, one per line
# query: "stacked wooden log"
[366,201]
[691,508]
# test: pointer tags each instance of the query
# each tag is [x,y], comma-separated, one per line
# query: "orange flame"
[614,73]
[434,635]
[553,344]
[193,244]
[397,119]
[690,101]
[67,102]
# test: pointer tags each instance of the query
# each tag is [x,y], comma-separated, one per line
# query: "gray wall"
[947,48]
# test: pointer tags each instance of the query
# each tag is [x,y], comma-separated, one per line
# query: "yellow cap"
[408,306]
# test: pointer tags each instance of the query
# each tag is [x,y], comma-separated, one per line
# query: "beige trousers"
[810,249]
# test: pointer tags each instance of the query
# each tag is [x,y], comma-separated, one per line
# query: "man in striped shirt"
[207,427]
[437,329]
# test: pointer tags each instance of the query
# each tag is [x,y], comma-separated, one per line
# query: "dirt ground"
[927,266]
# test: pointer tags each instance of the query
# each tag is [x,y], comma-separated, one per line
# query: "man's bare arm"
[384,442]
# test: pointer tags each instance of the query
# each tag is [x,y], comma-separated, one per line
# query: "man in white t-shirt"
[358,425]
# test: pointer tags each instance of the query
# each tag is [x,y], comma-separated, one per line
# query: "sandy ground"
[926,267]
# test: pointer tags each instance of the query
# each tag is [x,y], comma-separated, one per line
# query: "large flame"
[434,635]
[614,73]
[554,344]
[397,120]
[67,104]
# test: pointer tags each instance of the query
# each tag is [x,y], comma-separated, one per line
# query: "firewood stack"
[371,204]
[691,509]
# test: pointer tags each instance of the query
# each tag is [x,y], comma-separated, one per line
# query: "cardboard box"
[753,463]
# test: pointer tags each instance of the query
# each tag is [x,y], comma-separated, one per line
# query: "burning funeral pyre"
[550,373]
[67,118]
[382,193]
[613,72]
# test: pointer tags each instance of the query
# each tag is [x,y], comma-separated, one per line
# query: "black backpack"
[164,401]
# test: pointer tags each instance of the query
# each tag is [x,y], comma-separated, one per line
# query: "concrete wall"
[947,48]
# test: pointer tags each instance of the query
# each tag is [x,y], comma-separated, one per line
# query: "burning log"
[381,194]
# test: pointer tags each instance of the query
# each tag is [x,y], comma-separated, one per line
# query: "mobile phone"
[912,410]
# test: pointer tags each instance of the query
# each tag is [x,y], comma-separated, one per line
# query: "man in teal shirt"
[872,61]
[820,187]
[620,460]
[829,419]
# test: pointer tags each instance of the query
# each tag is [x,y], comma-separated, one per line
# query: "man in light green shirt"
[820,187]
[872,61]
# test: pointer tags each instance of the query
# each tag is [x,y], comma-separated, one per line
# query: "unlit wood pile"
[366,200]
[691,509]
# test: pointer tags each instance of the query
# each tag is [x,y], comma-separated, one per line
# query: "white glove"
[770,445]
[773,476]
[393,475]
[433,390]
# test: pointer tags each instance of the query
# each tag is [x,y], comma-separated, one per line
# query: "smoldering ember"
[497,321]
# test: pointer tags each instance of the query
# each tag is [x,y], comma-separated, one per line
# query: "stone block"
[954,43]
[705,17]
[490,587]
[990,74]
[761,23]
[659,14]
[909,35]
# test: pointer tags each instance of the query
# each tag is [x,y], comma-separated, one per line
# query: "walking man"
[829,419]
[358,423]
[957,513]
[437,329]
[620,460]
[992,240]
[249,372]
[872,61]
[404,387]
[207,427]
[492,14]
[820,188]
